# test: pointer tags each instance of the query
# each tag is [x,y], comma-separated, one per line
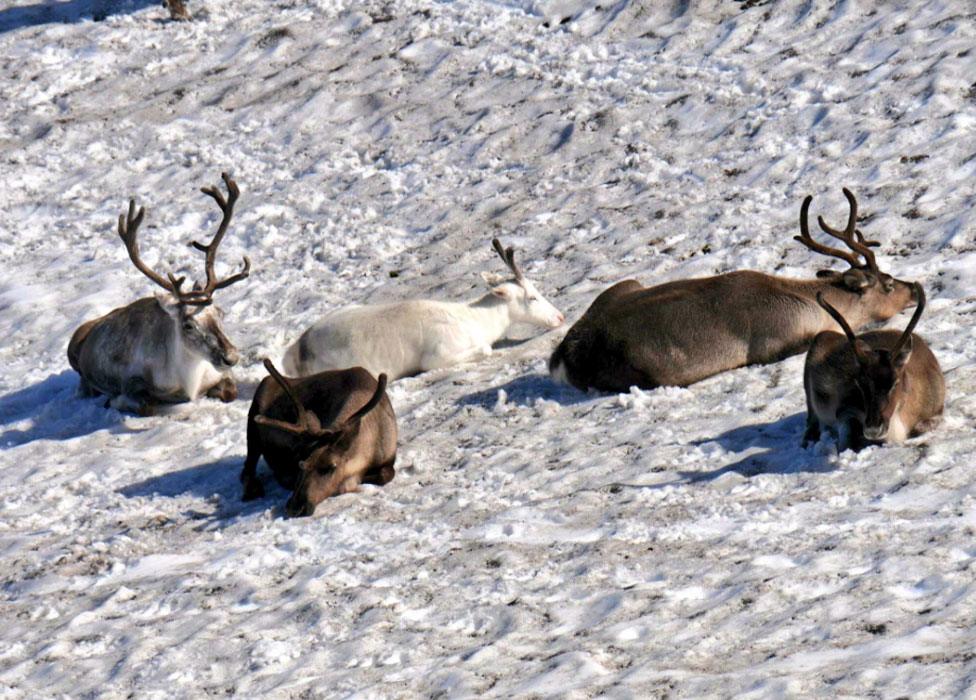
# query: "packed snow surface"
[537,540]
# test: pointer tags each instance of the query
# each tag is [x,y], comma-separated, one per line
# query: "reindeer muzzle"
[229,358]
[298,507]
[875,432]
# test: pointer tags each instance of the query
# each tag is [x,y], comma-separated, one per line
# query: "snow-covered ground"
[536,541]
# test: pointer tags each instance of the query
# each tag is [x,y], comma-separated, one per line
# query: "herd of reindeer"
[329,426]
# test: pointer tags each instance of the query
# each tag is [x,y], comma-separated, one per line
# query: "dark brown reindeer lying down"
[681,332]
[163,349]
[285,424]
[881,386]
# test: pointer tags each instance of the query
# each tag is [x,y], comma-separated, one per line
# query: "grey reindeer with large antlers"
[321,435]
[681,332]
[881,386]
[167,348]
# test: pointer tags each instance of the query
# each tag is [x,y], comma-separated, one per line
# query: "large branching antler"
[128,231]
[508,256]
[204,295]
[853,238]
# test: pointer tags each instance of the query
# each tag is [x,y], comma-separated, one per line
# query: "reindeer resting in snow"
[882,386]
[285,424]
[164,349]
[403,338]
[681,332]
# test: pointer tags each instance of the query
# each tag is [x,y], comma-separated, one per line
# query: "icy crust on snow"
[536,540]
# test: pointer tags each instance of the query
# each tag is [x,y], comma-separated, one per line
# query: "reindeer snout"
[230,357]
[557,320]
[297,507]
[875,432]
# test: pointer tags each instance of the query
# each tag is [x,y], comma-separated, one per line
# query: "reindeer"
[164,349]
[407,337]
[681,332]
[358,444]
[881,386]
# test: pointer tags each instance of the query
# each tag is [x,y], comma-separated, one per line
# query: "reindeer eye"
[324,469]
[188,325]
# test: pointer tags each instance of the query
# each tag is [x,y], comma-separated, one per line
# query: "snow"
[536,540]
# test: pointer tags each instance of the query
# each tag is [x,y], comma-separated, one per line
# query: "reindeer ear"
[492,278]
[904,355]
[502,291]
[168,303]
[862,350]
[328,437]
[856,280]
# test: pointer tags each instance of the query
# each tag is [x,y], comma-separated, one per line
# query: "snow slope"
[536,541]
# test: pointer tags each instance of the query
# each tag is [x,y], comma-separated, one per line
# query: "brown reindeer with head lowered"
[164,349]
[322,435]
[681,332]
[881,386]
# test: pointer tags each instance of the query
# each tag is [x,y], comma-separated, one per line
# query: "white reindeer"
[403,338]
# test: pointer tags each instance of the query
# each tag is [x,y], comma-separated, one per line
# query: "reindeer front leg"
[439,358]
[138,396]
[225,390]
[812,432]
[253,488]
[381,475]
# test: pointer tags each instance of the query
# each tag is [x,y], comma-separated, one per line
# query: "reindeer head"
[884,295]
[877,387]
[525,303]
[324,454]
[197,321]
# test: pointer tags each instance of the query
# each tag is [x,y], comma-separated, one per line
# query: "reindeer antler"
[205,294]
[508,256]
[841,321]
[860,350]
[374,399]
[128,231]
[308,422]
[919,308]
[853,238]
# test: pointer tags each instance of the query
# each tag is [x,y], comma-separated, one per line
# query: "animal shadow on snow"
[779,450]
[525,390]
[218,477]
[54,12]
[55,412]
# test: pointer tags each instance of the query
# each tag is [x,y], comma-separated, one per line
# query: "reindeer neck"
[849,304]
[491,314]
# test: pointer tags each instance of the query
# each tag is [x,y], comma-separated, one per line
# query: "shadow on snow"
[219,477]
[528,388]
[53,12]
[55,412]
[779,451]
[773,448]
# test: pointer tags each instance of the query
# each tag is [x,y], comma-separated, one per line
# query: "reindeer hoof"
[225,390]
[253,490]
